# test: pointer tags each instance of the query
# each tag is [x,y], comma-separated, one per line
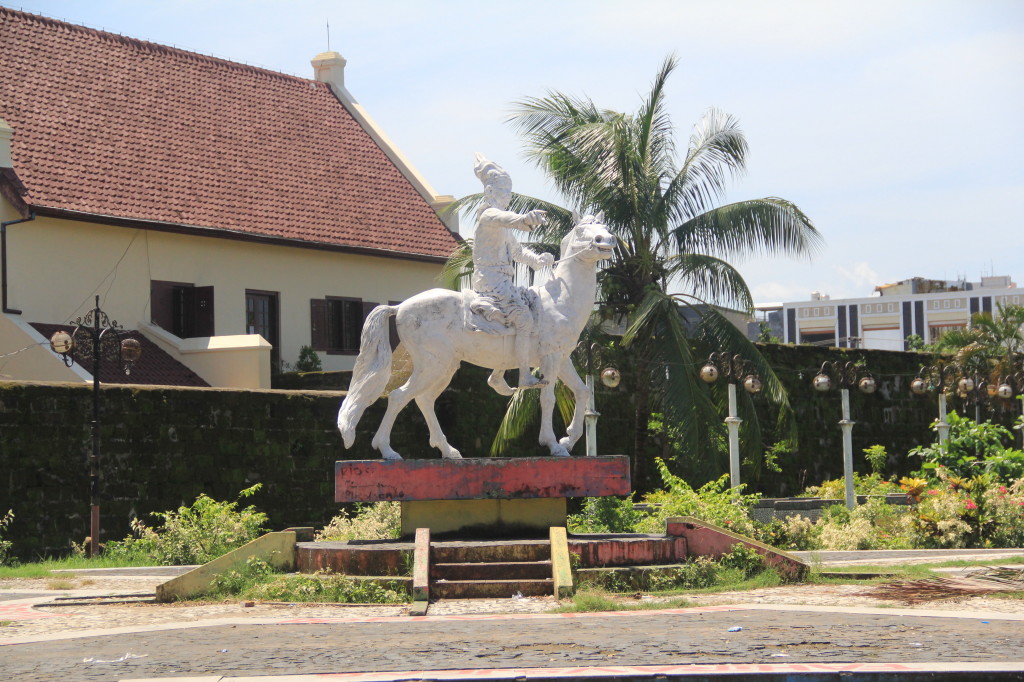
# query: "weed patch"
[371,521]
[593,600]
[258,581]
[60,584]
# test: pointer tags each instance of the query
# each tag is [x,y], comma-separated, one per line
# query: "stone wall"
[163,446]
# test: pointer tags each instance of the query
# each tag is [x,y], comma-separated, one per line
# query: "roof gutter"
[3,259]
[226,233]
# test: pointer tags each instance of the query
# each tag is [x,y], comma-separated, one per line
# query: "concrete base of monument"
[484,518]
[684,539]
[492,497]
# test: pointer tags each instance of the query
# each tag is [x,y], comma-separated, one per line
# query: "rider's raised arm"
[514,221]
[535,260]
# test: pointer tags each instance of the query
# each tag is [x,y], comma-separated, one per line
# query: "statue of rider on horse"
[441,328]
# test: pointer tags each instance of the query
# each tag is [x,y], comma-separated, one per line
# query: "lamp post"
[89,339]
[1009,384]
[733,368]
[972,388]
[611,378]
[845,375]
[937,378]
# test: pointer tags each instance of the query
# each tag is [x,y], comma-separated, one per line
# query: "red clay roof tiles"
[114,126]
[155,367]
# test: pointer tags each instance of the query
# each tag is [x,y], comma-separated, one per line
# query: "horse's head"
[590,240]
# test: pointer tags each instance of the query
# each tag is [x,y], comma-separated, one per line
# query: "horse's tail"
[371,373]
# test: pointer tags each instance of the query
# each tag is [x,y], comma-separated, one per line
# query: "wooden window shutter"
[318,325]
[203,310]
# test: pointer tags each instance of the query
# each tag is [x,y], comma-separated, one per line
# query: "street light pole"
[845,374]
[732,422]
[610,377]
[732,368]
[88,337]
[937,377]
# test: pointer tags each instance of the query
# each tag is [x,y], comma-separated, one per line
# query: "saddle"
[481,315]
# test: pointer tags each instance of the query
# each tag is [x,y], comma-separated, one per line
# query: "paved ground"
[804,627]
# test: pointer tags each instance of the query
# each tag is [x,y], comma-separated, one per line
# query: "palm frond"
[711,280]
[717,153]
[458,269]
[759,226]
[522,412]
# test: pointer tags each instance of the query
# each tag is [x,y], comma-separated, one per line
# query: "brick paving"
[806,624]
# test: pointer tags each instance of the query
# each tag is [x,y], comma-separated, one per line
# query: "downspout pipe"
[3,259]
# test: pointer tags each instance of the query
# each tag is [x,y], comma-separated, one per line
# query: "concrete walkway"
[805,639]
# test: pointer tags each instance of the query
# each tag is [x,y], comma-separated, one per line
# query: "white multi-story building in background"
[925,307]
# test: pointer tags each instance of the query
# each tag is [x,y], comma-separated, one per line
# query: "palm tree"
[991,345]
[674,239]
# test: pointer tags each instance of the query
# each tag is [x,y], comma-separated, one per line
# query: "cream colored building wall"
[55,266]
[239,361]
[25,355]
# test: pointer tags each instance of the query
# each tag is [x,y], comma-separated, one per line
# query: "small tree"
[308,360]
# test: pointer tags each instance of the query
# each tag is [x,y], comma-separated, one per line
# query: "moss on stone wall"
[163,446]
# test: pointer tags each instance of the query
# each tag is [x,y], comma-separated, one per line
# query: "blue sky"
[895,125]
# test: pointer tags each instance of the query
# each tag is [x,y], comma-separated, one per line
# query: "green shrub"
[740,564]
[877,457]
[971,449]
[871,484]
[257,580]
[5,545]
[605,515]
[193,535]
[329,588]
[371,521]
[308,360]
[713,502]
[745,559]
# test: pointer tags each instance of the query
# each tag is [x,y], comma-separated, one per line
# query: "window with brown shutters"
[336,323]
[182,308]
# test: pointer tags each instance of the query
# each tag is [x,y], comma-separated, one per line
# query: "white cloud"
[860,275]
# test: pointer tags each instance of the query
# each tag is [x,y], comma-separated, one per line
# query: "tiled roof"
[154,367]
[113,126]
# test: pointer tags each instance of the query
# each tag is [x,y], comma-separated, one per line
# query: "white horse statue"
[433,326]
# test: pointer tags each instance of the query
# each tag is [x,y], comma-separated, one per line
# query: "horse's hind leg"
[425,401]
[420,381]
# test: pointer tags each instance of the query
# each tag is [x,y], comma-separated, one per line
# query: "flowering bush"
[872,484]
[1005,509]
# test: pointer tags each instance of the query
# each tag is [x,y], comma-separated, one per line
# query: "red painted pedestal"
[448,495]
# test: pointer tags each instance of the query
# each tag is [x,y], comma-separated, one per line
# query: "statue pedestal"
[494,495]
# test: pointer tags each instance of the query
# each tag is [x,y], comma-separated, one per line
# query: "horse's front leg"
[549,368]
[581,395]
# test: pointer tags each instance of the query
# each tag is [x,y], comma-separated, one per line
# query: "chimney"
[329,67]
[5,145]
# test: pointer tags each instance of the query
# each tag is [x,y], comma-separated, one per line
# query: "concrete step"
[490,589]
[506,570]
[459,552]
